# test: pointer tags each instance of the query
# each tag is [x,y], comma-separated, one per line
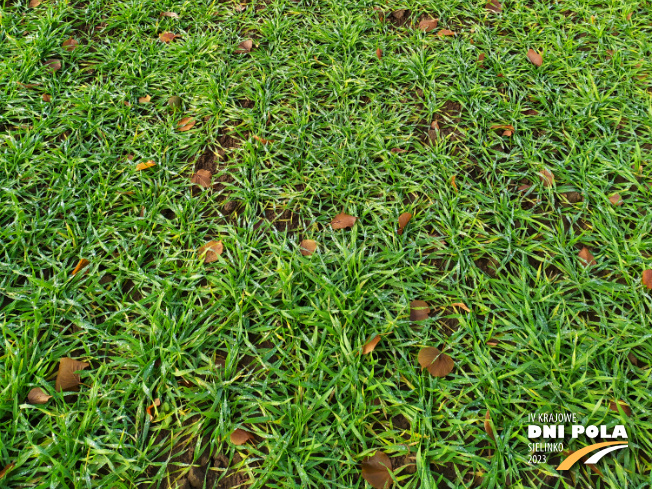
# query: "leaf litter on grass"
[376,470]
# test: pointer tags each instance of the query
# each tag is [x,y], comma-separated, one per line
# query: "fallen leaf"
[150,409]
[186,124]
[398,14]
[244,47]
[547,178]
[53,65]
[167,37]
[376,470]
[530,112]
[34,3]
[398,150]
[28,85]
[587,257]
[428,25]
[145,99]
[437,363]
[616,199]
[370,345]
[145,166]
[535,58]
[126,102]
[342,221]
[632,358]
[403,220]
[240,8]
[7,468]
[506,127]
[453,183]
[629,16]
[379,53]
[487,426]
[493,343]
[37,396]
[173,15]
[81,264]
[70,44]
[67,378]
[482,57]
[202,178]
[507,133]
[308,247]
[419,310]
[213,249]
[647,278]
[461,305]
[613,406]
[494,6]
[46,98]
[445,32]
[262,140]
[523,187]
[240,437]
[174,102]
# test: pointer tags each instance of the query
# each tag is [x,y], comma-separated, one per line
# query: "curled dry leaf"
[186,124]
[370,345]
[613,406]
[616,199]
[70,44]
[535,58]
[437,363]
[240,437]
[38,396]
[586,257]
[308,247]
[481,58]
[647,278]
[445,32]
[547,177]
[376,470]
[81,264]
[525,186]
[172,15]
[145,99]
[428,25]
[419,310]
[150,409]
[244,47]
[403,220]
[494,6]
[379,53]
[145,165]
[167,37]
[493,343]
[342,221]
[487,426]
[213,249]
[507,133]
[67,377]
[53,65]
[506,127]
[262,140]
[461,305]
[34,3]
[202,178]
[453,184]
[398,150]
[46,97]
[7,468]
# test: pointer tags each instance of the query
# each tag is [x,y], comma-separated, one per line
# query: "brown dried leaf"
[419,310]
[403,220]
[547,178]
[167,37]
[186,124]
[34,3]
[308,247]
[145,99]
[461,305]
[67,378]
[523,187]
[145,166]
[445,32]
[428,25]
[213,249]
[53,65]
[370,345]
[535,58]
[70,44]
[616,199]
[632,358]
[342,221]
[244,47]
[494,6]
[453,184]
[613,406]
[46,97]
[38,396]
[506,127]
[398,150]
[202,178]
[487,426]
[376,470]
[507,133]
[379,53]
[7,468]
[493,343]
[172,15]
[240,437]
[174,102]
[482,57]
[437,363]
[81,264]
[262,140]
[150,409]
[647,278]
[586,257]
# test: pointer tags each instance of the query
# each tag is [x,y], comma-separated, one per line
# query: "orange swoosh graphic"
[575,456]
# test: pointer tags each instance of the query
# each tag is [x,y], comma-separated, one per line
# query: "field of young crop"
[323,244]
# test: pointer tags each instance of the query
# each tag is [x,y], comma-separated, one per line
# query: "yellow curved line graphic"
[575,456]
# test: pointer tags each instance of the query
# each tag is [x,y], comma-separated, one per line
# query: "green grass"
[148,315]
